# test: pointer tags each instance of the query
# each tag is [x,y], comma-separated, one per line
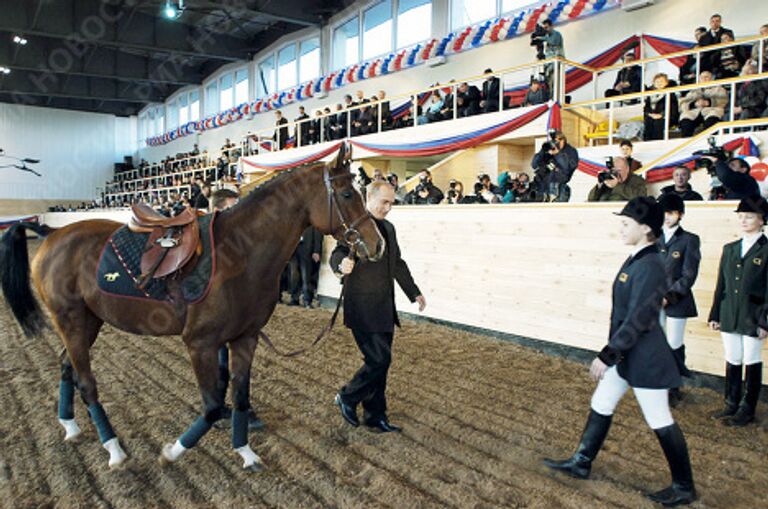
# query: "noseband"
[351,235]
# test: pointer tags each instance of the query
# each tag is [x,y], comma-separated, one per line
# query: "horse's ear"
[343,158]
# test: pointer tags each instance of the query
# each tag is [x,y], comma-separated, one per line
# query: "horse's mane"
[268,188]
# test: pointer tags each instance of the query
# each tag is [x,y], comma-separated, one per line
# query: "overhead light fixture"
[173,10]
[5,70]
[19,40]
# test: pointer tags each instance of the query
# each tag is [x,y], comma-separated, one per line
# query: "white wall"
[583,39]
[76,151]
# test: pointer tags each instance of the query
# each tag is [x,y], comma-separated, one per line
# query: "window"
[173,115]
[414,21]
[241,86]
[346,44]
[468,12]
[143,128]
[265,78]
[159,121]
[286,67]
[309,60]
[183,109]
[377,29]
[225,92]
[513,5]
[211,100]
[194,106]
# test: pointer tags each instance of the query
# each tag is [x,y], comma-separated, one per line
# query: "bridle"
[351,235]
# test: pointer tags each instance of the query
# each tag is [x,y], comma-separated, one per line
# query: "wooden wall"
[542,271]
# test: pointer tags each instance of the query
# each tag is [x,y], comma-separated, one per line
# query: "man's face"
[535,86]
[629,57]
[660,82]
[381,95]
[763,31]
[681,177]
[672,218]
[705,76]
[360,95]
[560,142]
[714,23]
[621,166]
[736,166]
[380,203]
[548,27]
[626,151]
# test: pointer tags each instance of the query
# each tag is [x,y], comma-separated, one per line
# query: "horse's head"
[343,213]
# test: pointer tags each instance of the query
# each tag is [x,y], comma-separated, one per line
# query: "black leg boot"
[746,412]
[682,491]
[732,391]
[580,464]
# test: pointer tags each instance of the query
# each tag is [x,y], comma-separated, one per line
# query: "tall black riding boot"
[682,491]
[746,412]
[732,391]
[580,464]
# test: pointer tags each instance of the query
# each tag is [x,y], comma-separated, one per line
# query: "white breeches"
[654,403]
[741,349]
[674,328]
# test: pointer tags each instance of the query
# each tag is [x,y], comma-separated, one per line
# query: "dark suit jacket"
[282,127]
[369,297]
[682,256]
[742,289]
[304,128]
[491,90]
[311,242]
[470,101]
[637,343]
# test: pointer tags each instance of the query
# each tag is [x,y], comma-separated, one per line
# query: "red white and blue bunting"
[476,36]
[7,222]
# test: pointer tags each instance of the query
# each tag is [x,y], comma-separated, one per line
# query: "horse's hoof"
[118,465]
[165,457]
[73,436]
[254,467]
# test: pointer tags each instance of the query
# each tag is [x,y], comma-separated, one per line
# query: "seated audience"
[655,108]
[468,100]
[728,62]
[433,111]
[702,106]
[537,93]
[712,36]
[681,187]
[628,79]
[688,69]
[751,96]
[755,53]
[489,100]
[618,184]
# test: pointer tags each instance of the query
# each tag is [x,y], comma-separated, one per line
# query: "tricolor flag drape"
[7,222]
[282,163]
[663,46]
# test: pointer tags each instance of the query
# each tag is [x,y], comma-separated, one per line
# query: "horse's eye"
[346,194]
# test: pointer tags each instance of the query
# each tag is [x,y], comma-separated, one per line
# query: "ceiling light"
[173,10]
[5,70]
[19,40]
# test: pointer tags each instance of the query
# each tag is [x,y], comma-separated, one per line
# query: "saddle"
[172,242]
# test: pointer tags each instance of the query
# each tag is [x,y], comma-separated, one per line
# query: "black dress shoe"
[382,426]
[308,305]
[293,303]
[674,496]
[349,413]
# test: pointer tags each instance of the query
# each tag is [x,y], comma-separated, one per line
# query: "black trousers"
[301,278]
[369,384]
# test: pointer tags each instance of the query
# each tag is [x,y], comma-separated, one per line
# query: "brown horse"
[253,242]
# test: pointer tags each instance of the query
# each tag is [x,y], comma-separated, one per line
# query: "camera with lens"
[551,143]
[452,184]
[609,173]
[536,40]
[452,195]
[363,177]
[713,151]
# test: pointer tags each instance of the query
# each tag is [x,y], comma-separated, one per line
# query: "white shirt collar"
[747,241]
[639,248]
[669,232]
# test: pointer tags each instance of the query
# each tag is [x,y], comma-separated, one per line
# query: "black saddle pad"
[120,267]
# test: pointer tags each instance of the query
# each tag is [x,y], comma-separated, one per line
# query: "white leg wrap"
[71,428]
[249,457]
[116,453]
[174,452]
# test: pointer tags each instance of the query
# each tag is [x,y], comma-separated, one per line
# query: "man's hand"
[597,369]
[664,303]
[656,116]
[422,302]
[714,325]
[316,257]
[611,182]
[346,266]
[555,150]
[762,333]
[737,109]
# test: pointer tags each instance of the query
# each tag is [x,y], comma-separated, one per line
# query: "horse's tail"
[14,276]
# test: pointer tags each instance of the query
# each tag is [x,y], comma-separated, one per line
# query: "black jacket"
[491,90]
[311,242]
[369,296]
[282,127]
[470,101]
[689,194]
[682,255]
[566,161]
[632,75]
[738,185]
[637,344]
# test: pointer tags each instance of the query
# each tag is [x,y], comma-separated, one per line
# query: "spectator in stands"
[554,165]
[715,33]
[425,191]
[281,130]
[468,100]
[728,62]
[702,106]
[195,151]
[655,108]
[755,53]
[327,124]
[489,100]
[628,79]
[554,47]
[301,131]
[489,186]
[688,69]
[734,176]
[313,130]
[202,202]
[751,96]
[537,93]
[627,148]
[681,176]
[386,112]
[433,110]
[400,193]
[339,125]
[455,192]
[620,184]
[360,97]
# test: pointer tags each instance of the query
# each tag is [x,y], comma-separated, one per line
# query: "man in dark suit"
[490,98]
[682,256]
[302,264]
[468,100]
[281,129]
[369,310]
[301,132]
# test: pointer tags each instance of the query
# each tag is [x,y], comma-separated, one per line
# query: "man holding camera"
[617,183]
[554,165]
[554,47]
[734,175]
[425,192]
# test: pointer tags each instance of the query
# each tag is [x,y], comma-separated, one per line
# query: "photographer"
[554,165]
[477,197]
[546,34]
[516,188]
[455,192]
[425,193]
[617,183]
[734,175]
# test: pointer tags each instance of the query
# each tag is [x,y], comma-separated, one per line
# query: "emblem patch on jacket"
[623,277]
[675,254]
[112,277]
[757,261]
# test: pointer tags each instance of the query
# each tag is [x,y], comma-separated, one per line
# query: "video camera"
[536,40]
[363,177]
[713,151]
[609,173]
[551,142]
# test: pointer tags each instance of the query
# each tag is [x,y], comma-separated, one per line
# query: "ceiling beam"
[132,79]
[33,93]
